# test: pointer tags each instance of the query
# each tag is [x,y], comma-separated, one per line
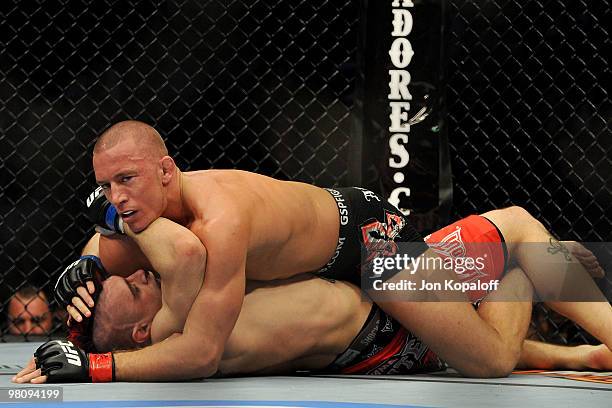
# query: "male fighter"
[321,325]
[313,319]
[255,227]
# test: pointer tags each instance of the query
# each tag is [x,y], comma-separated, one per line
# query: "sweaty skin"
[290,228]
[315,320]
[302,323]
[277,228]
[254,227]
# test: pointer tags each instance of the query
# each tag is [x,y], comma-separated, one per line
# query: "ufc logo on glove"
[71,354]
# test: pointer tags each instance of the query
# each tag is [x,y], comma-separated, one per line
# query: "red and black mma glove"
[86,268]
[103,214]
[62,361]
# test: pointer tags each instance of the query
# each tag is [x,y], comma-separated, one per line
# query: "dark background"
[529,117]
[277,87]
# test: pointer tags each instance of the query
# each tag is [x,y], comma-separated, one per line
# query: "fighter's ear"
[168,169]
[141,333]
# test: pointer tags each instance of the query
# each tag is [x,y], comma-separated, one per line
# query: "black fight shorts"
[369,227]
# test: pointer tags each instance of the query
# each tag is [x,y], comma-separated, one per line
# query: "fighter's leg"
[543,356]
[535,354]
[508,308]
[486,343]
[542,257]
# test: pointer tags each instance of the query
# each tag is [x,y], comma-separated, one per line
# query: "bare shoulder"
[228,179]
[214,194]
[226,221]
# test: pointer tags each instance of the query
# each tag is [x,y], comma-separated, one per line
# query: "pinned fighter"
[247,226]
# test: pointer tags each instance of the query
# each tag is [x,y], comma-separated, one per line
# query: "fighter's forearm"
[176,358]
[92,246]
[119,254]
[169,247]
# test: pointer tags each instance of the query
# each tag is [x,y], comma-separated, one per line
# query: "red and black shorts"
[383,346]
[475,238]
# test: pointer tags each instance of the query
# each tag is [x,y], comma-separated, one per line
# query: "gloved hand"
[104,214]
[84,272]
[62,361]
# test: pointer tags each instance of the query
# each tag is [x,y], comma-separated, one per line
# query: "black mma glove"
[87,268]
[62,361]
[104,214]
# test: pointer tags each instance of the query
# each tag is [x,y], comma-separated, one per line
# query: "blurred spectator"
[29,313]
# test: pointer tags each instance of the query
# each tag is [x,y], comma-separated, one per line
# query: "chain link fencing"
[268,86]
[530,119]
[263,86]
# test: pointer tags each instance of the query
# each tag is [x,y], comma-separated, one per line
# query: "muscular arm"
[197,351]
[119,254]
[180,259]
[168,246]
[164,247]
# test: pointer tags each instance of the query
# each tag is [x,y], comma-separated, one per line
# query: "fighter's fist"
[76,275]
[62,361]
[104,214]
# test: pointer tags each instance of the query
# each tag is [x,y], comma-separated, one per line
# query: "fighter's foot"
[598,358]
[586,258]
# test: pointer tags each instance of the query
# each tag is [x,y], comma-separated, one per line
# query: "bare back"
[293,227]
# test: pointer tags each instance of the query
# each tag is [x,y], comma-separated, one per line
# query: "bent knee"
[501,367]
[504,365]
[517,212]
[513,213]
[501,364]
[514,222]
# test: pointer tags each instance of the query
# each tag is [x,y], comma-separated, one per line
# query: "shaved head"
[144,137]
[131,164]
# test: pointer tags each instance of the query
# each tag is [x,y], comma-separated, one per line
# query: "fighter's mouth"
[127,214]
